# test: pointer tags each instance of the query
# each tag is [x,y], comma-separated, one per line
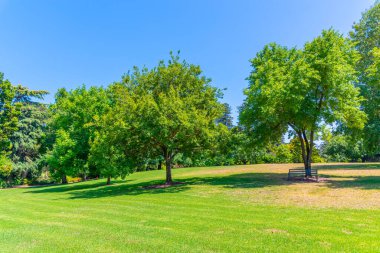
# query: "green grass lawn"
[218,209]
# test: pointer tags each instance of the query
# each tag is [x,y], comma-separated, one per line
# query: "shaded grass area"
[218,209]
[349,166]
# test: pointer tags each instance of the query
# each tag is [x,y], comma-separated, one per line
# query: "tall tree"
[74,114]
[226,118]
[299,90]
[9,112]
[12,99]
[27,140]
[366,35]
[170,109]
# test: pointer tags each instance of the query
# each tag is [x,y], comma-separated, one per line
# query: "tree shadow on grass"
[358,182]
[246,180]
[127,189]
[71,187]
[351,181]
[350,166]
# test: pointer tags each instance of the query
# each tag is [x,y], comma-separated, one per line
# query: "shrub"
[5,167]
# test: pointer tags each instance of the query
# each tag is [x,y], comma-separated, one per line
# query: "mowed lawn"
[218,209]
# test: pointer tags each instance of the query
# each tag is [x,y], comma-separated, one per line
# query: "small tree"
[226,118]
[299,90]
[61,158]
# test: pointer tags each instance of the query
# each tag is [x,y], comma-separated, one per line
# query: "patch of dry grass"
[354,186]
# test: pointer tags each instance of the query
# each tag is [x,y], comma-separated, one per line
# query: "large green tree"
[226,118]
[168,110]
[366,36]
[300,90]
[73,116]
[110,152]
[27,140]
[9,112]
[12,99]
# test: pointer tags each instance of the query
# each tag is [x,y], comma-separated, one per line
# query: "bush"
[5,167]
[5,171]
[73,179]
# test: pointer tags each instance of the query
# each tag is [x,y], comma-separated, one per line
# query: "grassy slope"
[220,209]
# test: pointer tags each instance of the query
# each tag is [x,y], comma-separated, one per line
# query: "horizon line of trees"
[171,116]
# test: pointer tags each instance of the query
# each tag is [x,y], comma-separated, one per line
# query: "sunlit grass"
[217,209]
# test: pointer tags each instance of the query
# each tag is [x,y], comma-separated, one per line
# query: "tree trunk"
[310,154]
[24,174]
[307,150]
[168,162]
[64,179]
[159,165]
[304,155]
[108,180]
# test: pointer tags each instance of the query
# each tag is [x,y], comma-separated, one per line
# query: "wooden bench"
[301,173]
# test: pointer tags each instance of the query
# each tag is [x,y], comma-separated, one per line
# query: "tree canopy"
[366,36]
[73,116]
[166,110]
[301,89]
[12,100]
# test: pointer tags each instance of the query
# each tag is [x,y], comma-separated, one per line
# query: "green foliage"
[5,171]
[339,148]
[296,152]
[73,121]
[366,36]
[296,89]
[167,110]
[372,104]
[5,167]
[9,112]
[226,119]
[282,154]
[12,101]
[107,153]
[27,140]
[62,158]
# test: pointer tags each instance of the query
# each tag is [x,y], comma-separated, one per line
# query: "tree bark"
[159,167]
[64,179]
[311,143]
[307,148]
[168,162]
[108,180]
[303,149]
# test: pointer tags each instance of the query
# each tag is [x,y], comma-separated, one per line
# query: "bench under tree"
[301,173]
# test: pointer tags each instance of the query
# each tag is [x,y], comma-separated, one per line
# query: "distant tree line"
[317,103]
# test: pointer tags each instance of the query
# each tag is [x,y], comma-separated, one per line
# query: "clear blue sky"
[66,43]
